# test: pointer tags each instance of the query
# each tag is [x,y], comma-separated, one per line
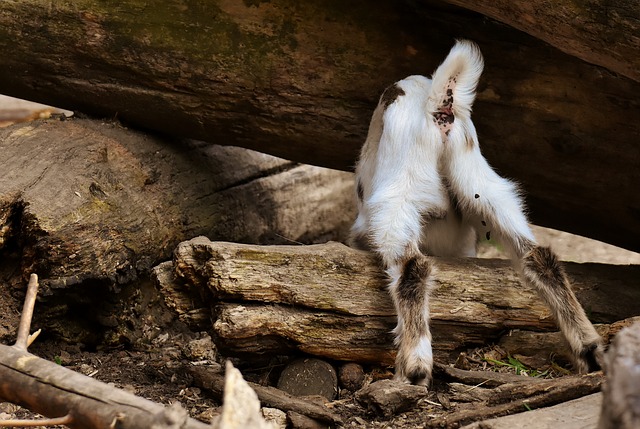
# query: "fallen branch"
[548,392]
[64,420]
[83,402]
[269,396]
[23,339]
[527,388]
[484,378]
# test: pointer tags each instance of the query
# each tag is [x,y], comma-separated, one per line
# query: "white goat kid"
[423,187]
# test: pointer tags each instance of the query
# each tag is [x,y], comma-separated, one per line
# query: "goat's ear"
[454,83]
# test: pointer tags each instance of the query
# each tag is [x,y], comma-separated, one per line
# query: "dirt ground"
[157,368]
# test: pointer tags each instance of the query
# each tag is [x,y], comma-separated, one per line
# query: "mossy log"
[300,80]
[329,300]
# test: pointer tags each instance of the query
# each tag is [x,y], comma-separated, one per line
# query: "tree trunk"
[90,206]
[329,300]
[300,80]
[597,31]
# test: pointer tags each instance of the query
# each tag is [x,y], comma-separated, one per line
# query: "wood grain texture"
[91,201]
[301,79]
[329,300]
[597,31]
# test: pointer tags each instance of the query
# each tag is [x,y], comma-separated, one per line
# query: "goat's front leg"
[495,205]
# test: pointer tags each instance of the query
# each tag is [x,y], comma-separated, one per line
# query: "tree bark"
[92,206]
[330,300]
[300,80]
[596,31]
[86,199]
[621,390]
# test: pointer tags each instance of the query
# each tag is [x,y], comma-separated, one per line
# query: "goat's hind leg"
[395,233]
[540,268]
[495,205]
[410,287]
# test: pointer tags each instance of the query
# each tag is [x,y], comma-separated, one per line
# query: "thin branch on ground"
[22,339]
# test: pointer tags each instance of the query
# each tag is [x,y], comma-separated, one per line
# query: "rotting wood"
[282,78]
[329,300]
[91,206]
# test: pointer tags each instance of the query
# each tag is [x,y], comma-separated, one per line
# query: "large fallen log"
[92,206]
[595,31]
[329,300]
[301,80]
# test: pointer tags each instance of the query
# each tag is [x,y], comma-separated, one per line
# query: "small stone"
[351,376]
[276,416]
[308,377]
[200,349]
[390,397]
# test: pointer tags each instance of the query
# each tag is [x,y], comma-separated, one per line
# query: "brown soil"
[156,365]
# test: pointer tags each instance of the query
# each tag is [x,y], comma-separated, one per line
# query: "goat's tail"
[454,82]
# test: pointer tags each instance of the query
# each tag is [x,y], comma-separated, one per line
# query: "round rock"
[308,377]
[351,376]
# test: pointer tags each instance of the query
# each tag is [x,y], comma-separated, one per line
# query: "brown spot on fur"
[545,264]
[444,117]
[411,287]
[470,144]
[431,215]
[360,241]
[390,95]
[360,191]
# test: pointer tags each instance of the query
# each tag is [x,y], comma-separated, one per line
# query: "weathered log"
[283,78]
[90,205]
[579,413]
[557,391]
[329,300]
[595,31]
[93,200]
[621,391]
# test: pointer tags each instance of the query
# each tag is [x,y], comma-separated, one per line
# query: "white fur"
[424,186]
